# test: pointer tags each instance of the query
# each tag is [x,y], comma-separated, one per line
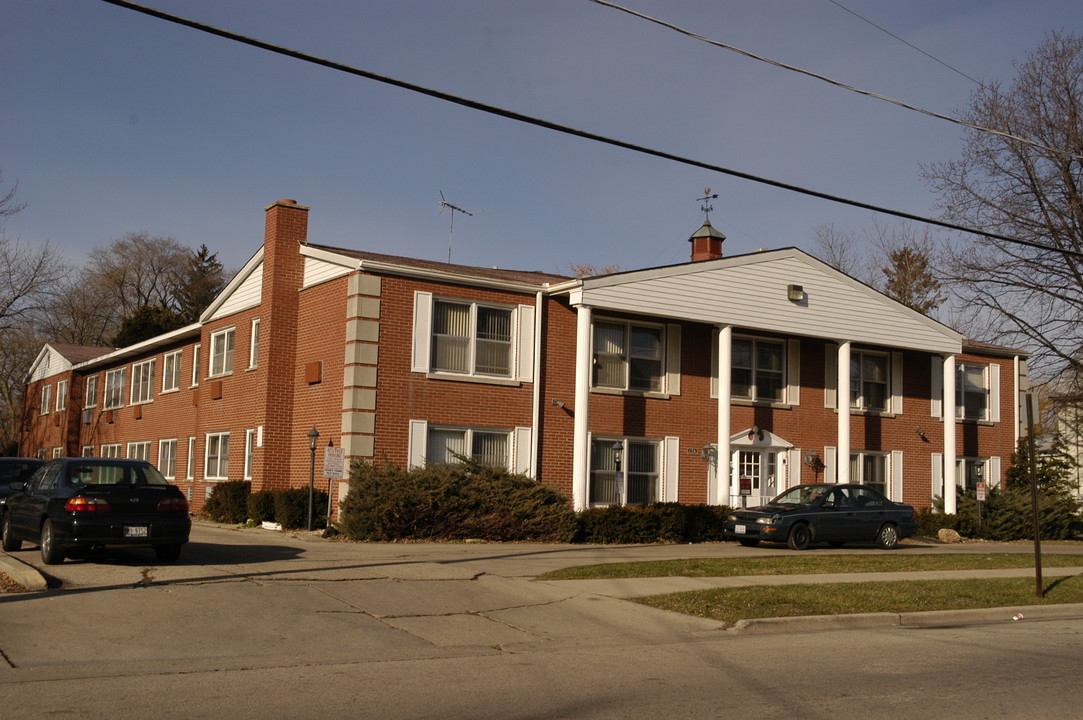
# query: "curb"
[928,619]
[26,575]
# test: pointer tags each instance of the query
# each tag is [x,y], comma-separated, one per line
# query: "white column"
[948,404]
[581,427]
[724,493]
[842,394]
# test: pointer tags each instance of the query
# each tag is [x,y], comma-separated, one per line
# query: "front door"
[758,469]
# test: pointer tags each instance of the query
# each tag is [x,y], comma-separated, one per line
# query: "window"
[634,481]
[57,452]
[249,451]
[191,474]
[222,352]
[171,369]
[46,399]
[88,451]
[757,372]
[487,447]
[217,466]
[869,381]
[111,450]
[253,345]
[62,395]
[972,392]
[870,469]
[195,364]
[139,451]
[143,382]
[972,471]
[472,339]
[167,458]
[91,399]
[628,356]
[114,388]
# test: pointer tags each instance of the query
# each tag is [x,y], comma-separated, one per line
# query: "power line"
[836,83]
[904,42]
[538,122]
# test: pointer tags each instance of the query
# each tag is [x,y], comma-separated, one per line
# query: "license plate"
[738,529]
[135,531]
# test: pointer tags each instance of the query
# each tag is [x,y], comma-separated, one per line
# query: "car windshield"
[800,495]
[115,474]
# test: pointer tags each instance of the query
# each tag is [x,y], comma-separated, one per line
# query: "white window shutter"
[793,372]
[831,375]
[422,331]
[672,466]
[994,472]
[897,383]
[830,454]
[937,475]
[525,348]
[418,450]
[673,359]
[994,392]
[936,391]
[522,450]
[896,489]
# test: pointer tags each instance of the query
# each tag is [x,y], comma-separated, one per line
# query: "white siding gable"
[318,271]
[246,294]
[751,291]
[48,363]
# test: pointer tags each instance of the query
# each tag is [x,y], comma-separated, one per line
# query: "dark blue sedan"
[74,503]
[834,514]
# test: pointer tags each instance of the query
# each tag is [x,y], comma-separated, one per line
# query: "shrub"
[930,522]
[291,508]
[656,523]
[261,506]
[228,502]
[452,502]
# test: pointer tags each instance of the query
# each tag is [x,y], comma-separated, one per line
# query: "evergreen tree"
[198,281]
[1053,468]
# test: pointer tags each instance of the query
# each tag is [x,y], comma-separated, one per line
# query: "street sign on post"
[981,492]
[334,462]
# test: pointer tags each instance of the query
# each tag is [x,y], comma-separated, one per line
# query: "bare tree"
[138,271]
[843,251]
[1027,296]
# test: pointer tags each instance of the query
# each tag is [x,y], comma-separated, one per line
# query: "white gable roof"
[49,362]
[244,291]
[750,291]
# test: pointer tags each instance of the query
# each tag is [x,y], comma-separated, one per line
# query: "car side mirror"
[17,485]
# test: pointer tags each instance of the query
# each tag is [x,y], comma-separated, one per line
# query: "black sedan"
[74,503]
[15,469]
[834,514]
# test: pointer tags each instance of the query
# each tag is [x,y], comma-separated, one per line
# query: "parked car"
[15,469]
[834,514]
[74,503]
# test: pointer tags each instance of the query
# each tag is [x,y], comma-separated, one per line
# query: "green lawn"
[728,605]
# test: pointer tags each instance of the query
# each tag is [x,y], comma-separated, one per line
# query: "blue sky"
[114,122]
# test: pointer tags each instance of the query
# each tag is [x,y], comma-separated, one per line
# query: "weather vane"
[705,204]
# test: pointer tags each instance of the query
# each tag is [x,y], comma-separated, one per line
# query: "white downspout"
[535,418]
[581,427]
[842,395]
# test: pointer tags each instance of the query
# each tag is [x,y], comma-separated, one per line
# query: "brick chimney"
[706,243]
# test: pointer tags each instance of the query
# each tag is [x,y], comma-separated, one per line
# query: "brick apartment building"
[606,388]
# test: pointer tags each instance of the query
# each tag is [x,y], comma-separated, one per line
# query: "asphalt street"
[250,617]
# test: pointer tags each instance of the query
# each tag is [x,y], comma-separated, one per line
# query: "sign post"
[1031,400]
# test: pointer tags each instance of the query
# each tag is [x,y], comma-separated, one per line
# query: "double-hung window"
[471,338]
[114,388]
[624,471]
[870,469]
[758,369]
[629,356]
[253,345]
[195,364]
[143,381]
[139,450]
[217,466]
[972,392]
[222,352]
[870,381]
[46,399]
[91,398]
[167,458]
[171,369]
[62,395]
[485,446]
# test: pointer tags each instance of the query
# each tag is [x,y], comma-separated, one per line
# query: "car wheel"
[888,537]
[167,553]
[800,537]
[10,543]
[748,542]
[51,551]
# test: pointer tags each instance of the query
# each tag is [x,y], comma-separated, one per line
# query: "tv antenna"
[445,205]
[705,204]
